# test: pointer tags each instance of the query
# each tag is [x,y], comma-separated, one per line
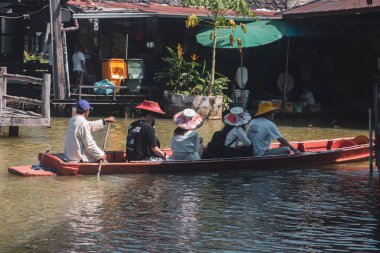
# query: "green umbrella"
[257,34]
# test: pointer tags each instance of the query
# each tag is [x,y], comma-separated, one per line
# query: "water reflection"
[317,209]
[302,210]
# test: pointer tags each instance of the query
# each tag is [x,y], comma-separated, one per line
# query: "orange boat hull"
[316,153]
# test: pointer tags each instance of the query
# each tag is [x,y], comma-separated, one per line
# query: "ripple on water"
[327,209]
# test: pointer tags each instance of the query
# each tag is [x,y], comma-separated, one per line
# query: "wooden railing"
[24,118]
[114,88]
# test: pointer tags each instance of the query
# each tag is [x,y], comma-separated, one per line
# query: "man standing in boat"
[80,145]
[141,138]
[262,131]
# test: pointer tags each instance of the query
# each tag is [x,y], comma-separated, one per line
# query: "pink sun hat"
[237,117]
[188,119]
[150,106]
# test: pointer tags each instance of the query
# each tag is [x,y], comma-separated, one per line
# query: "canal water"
[309,209]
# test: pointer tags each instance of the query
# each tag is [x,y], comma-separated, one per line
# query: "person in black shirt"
[141,138]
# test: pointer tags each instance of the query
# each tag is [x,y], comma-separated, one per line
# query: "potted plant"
[186,85]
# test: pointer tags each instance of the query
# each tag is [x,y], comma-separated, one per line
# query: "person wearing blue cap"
[80,146]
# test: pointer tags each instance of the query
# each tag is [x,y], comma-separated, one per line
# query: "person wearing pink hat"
[141,138]
[186,143]
[235,120]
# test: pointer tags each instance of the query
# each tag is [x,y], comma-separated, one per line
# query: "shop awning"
[258,33]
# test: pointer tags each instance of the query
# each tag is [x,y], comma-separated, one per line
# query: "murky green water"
[302,209]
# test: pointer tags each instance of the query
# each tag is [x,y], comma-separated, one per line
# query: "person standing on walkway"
[141,138]
[262,131]
[80,146]
[79,65]
[186,143]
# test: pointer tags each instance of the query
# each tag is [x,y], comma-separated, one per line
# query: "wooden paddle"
[104,149]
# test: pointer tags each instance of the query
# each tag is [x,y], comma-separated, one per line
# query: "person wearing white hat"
[235,121]
[186,143]
[262,131]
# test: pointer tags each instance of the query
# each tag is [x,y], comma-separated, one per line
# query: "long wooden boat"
[316,152]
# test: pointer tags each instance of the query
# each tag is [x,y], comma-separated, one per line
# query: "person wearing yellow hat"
[262,131]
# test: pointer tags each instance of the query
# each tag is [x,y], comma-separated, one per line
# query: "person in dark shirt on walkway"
[141,138]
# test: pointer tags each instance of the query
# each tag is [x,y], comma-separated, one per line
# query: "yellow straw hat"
[264,107]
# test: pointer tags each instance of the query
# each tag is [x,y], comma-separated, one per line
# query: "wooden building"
[343,65]
[24,99]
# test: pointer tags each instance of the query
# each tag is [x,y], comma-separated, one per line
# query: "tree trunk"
[56,33]
[211,86]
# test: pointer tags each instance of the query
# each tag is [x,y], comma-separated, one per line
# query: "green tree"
[217,11]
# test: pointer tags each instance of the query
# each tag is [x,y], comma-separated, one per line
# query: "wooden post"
[1,98]
[45,97]
[370,141]
[59,80]
[13,131]
[3,83]
[3,70]
[73,110]
[128,111]
[3,91]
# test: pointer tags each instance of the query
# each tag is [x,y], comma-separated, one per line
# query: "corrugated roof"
[148,7]
[254,4]
[321,7]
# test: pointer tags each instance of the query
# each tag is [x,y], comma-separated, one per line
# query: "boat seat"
[343,143]
[318,145]
[301,147]
[118,156]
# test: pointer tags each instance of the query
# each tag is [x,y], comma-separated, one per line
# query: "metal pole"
[241,80]
[370,141]
[284,98]
[126,46]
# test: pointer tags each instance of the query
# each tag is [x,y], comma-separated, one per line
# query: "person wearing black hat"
[141,138]
[80,145]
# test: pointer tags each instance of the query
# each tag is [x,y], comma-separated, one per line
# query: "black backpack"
[215,147]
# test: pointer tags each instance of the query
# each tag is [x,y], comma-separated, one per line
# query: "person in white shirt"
[186,143]
[79,144]
[262,131]
[79,65]
[307,97]
[235,121]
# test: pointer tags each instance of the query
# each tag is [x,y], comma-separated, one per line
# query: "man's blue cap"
[83,105]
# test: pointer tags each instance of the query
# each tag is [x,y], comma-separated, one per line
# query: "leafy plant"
[34,57]
[189,77]
[217,10]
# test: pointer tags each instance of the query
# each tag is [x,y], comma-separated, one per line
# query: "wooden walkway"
[22,116]
[124,102]
[15,117]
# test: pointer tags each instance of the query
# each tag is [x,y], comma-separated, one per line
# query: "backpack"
[216,147]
